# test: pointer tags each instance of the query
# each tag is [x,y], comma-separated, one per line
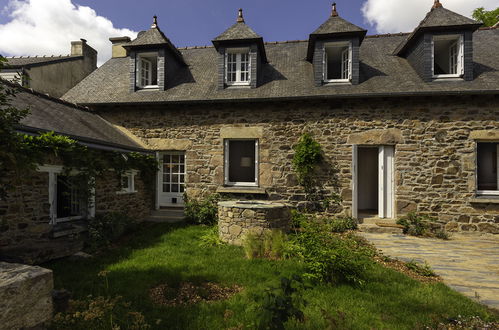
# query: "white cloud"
[47,27]
[389,16]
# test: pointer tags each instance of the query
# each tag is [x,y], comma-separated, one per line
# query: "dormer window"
[337,62]
[237,67]
[448,56]
[147,70]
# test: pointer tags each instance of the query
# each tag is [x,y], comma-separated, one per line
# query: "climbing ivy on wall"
[308,155]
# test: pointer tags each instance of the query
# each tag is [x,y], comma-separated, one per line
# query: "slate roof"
[238,31]
[438,19]
[29,61]
[336,24]
[289,76]
[51,114]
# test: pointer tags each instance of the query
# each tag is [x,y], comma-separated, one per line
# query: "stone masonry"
[238,218]
[433,138]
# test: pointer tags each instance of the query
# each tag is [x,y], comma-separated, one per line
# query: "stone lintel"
[169,144]
[485,135]
[377,137]
[241,132]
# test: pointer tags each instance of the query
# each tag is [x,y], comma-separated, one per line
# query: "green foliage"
[272,244]
[330,257]
[282,303]
[308,154]
[99,313]
[421,269]
[211,238]
[442,234]
[343,224]
[106,228]
[488,18]
[202,212]
[415,224]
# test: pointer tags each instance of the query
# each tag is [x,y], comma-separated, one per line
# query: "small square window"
[241,162]
[447,53]
[487,168]
[237,67]
[127,183]
[337,62]
[147,70]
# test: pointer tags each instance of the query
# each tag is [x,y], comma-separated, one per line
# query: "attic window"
[337,62]
[147,70]
[237,67]
[448,54]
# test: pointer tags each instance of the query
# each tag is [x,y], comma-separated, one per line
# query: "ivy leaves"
[308,154]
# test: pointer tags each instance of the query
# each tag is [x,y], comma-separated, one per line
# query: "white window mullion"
[432,56]
[226,174]
[350,54]
[256,162]
[324,63]
[238,67]
[460,63]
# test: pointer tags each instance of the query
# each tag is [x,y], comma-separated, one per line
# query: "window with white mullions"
[487,168]
[337,62]
[447,56]
[69,201]
[238,68]
[173,173]
[147,70]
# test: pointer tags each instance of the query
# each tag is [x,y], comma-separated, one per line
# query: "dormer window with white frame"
[447,56]
[337,62]
[237,67]
[147,71]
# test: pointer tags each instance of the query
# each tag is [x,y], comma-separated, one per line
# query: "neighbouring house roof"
[289,76]
[51,114]
[153,38]
[438,19]
[30,61]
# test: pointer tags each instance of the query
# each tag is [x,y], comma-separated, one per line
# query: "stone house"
[53,75]
[408,121]
[44,213]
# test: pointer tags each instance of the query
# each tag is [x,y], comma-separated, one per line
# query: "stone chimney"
[81,48]
[118,42]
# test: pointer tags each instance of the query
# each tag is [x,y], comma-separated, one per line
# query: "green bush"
[415,224]
[330,257]
[421,269]
[341,225]
[202,212]
[272,244]
[211,238]
[106,228]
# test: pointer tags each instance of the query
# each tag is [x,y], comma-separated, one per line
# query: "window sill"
[126,192]
[241,190]
[245,86]
[485,200]
[336,82]
[147,88]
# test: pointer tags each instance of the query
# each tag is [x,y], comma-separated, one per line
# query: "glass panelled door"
[172,179]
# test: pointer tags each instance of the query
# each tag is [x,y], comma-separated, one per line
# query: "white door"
[386,192]
[171,181]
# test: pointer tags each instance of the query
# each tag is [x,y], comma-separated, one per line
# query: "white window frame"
[344,66]
[486,192]
[227,165]
[459,43]
[138,71]
[238,52]
[130,176]
[53,171]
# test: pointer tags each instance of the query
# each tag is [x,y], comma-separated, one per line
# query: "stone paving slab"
[468,264]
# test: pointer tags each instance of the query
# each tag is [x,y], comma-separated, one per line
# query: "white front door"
[373,181]
[171,181]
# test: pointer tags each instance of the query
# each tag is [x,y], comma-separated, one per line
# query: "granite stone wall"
[433,138]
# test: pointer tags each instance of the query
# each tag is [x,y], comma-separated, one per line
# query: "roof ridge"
[46,96]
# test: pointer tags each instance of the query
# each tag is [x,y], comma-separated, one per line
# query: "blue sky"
[46,27]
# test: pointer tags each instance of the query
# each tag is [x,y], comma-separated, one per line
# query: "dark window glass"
[69,201]
[242,161]
[487,166]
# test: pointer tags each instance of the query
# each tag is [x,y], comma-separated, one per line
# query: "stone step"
[166,215]
[374,228]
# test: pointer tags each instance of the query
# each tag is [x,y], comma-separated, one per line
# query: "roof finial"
[334,13]
[240,18]
[154,22]
[436,4]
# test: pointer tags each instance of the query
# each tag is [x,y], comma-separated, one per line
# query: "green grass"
[171,254]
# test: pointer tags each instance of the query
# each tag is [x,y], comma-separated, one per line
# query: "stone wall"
[434,152]
[26,234]
[238,218]
[25,296]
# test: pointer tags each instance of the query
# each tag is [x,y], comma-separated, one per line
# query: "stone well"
[237,218]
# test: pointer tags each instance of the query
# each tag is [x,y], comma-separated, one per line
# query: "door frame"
[159,177]
[386,175]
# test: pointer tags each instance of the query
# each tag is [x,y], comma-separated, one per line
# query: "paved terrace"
[467,263]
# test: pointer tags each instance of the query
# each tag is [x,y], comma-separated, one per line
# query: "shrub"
[415,224]
[272,244]
[202,212]
[341,225]
[106,228]
[211,238]
[99,313]
[279,304]
[421,269]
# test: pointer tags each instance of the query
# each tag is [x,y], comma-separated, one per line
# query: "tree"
[488,18]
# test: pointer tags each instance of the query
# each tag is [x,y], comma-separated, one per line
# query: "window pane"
[242,161]
[181,188]
[166,178]
[166,188]
[182,169]
[175,159]
[182,158]
[445,55]
[174,178]
[124,182]
[175,168]
[175,188]
[181,178]
[487,166]
[69,201]
[337,62]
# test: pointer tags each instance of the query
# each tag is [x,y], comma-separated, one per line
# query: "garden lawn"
[164,253]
